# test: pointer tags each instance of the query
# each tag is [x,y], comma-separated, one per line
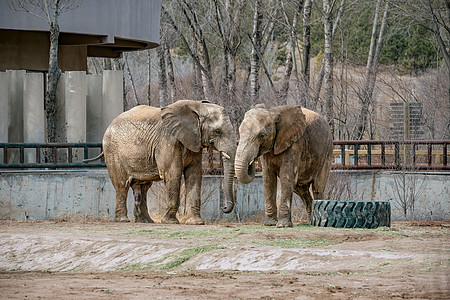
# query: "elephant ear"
[290,125]
[183,123]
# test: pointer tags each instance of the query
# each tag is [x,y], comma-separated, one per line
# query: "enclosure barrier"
[347,155]
[397,155]
[48,155]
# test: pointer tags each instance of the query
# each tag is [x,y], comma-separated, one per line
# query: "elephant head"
[198,124]
[264,130]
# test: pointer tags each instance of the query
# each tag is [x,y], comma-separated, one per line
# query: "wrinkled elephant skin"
[147,144]
[295,144]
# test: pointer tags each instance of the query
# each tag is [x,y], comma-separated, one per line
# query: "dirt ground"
[106,260]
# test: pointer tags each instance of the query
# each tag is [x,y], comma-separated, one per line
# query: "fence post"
[397,155]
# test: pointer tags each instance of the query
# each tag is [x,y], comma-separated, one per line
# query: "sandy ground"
[105,260]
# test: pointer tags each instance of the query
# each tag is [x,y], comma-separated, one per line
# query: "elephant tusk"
[251,162]
[225,155]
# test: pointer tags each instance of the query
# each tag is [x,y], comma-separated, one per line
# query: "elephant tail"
[94,158]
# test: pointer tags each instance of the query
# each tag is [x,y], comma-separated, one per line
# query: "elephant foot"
[169,220]
[194,220]
[122,219]
[268,221]
[144,220]
[284,223]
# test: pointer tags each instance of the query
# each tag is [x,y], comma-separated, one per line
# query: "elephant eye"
[261,136]
[218,131]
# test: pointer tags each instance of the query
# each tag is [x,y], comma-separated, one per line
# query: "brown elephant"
[296,145]
[147,144]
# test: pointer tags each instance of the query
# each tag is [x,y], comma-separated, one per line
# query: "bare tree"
[435,17]
[228,16]
[290,48]
[133,86]
[170,73]
[328,62]
[162,78]
[373,61]
[49,11]
[199,50]
[320,76]
[306,41]
[255,62]
[149,76]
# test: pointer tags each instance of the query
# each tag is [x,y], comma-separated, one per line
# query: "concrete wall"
[86,105]
[54,194]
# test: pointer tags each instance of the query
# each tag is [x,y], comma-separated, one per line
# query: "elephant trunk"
[245,163]
[228,180]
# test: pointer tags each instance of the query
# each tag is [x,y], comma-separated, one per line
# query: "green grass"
[173,260]
[294,243]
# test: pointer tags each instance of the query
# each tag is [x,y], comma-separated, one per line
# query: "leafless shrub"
[407,189]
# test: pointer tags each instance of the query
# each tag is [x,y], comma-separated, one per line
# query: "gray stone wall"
[56,194]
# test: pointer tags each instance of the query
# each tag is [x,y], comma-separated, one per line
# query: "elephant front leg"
[193,184]
[140,203]
[287,179]
[172,182]
[270,194]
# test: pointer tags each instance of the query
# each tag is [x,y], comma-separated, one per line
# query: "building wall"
[79,193]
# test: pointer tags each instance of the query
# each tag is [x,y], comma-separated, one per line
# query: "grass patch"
[207,233]
[294,243]
[173,260]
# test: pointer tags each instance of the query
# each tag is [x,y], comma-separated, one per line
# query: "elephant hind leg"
[140,202]
[319,183]
[303,192]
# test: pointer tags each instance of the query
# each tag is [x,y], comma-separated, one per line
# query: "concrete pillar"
[94,111]
[33,113]
[112,96]
[15,112]
[75,110]
[4,92]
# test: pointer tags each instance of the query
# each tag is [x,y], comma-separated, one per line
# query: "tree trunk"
[149,77]
[133,86]
[52,83]
[198,85]
[254,57]
[170,73]
[373,59]
[290,53]
[306,47]
[319,80]
[162,78]
[328,65]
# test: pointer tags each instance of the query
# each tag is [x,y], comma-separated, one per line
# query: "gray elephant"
[147,144]
[296,145]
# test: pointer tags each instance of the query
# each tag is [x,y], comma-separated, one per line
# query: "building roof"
[96,28]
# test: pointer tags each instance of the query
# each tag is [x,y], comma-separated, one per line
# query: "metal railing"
[404,155]
[48,155]
[347,155]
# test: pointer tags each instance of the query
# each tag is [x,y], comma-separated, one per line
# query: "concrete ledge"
[53,194]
